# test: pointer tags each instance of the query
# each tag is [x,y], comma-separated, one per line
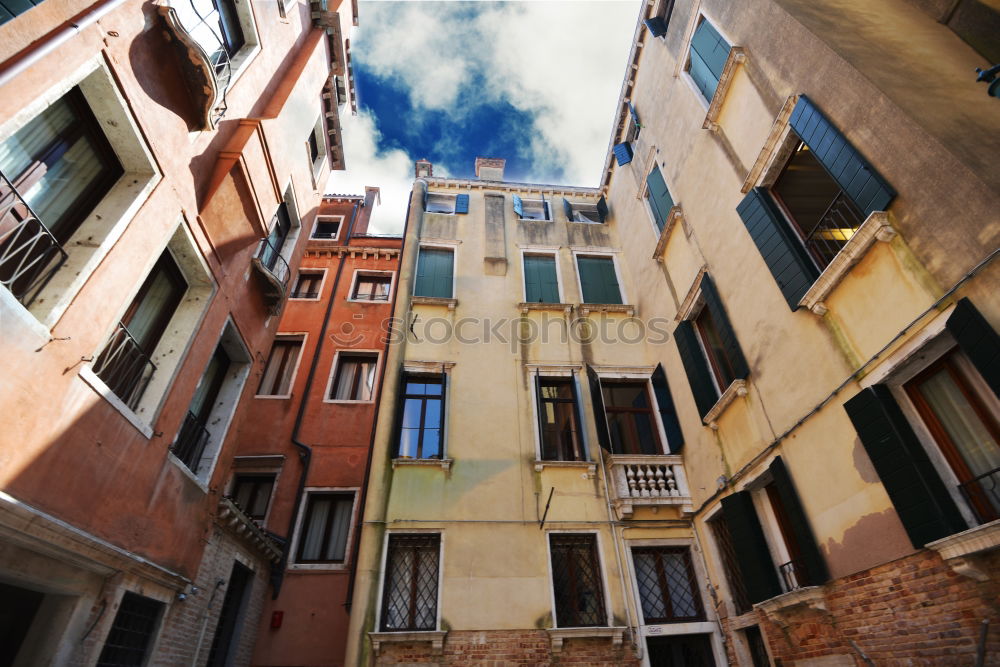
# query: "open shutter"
[540,411]
[978,340]
[443,449]
[659,197]
[812,559]
[518,206]
[635,116]
[397,430]
[656,25]
[600,416]
[423,284]
[708,44]
[696,367]
[668,414]
[623,153]
[726,333]
[780,247]
[461,203]
[759,575]
[568,208]
[920,497]
[856,177]
[602,208]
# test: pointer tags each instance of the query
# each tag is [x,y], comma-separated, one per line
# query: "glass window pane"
[432,444]
[336,546]
[315,525]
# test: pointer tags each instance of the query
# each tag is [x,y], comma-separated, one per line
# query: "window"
[327,227]
[756,647]
[707,58]
[354,379]
[230,625]
[630,417]
[435,273]
[576,580]
[229,23]
[668,588]
[598,280]
[53,172]
[316,144]
[308,285]
[681,650]
[131,634]
[280,368]
[588,212]
[658,199]
[281,225]
[558,420]
[125,364]
[715,351]
[541,282]
[727,552]
[421,418]
[532,209]
[325,527]
[252,493]
[194,435]
[370,287]
[410,588]
[659,20]
[439,203]
[8,9]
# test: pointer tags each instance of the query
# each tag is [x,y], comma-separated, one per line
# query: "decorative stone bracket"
[736,388]
[961,550]
[673,217]
[444,464]
[434,301]
[559,635]
[781,606]
[589,468]
[436,639]
[586,309]
[526,306]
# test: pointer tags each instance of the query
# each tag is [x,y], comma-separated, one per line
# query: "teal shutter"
[668,414]
[760,577]
[598,280]
[568,208]
[434,273]
[540,282]
[657,26]
[856,177]
[726,333]
[812,559]
[659,197]
[602,208]
[779,245]
[920,497]
[518,206]
[597,402]
[709,53]
[461,203]
[623,153]
[978,340]
[635,116]
[696,367]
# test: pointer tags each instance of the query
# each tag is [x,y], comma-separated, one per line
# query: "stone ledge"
[737,56]
[808,596]
[589,467]
[559,635]
[434,301]
[736,388]
[436,639]
[444,464]
[525,306]
[673,217]
[959,549]
[588,308]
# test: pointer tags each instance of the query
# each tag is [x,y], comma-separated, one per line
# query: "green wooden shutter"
[779,245]
[920,497]
[623,153]
[434,273]
[668,414]
[726,333]
[540,411]
[461,204]
[709,53]
[600,417]
[518,206]
[696,367]
[856,177]
[802,533]
[659,197]
[397,430]
[760,578]
[598,280]
[978,340]
[540,282]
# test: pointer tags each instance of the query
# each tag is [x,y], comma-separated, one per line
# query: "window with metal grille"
[325,527]
[410,589]
[724,543]
[307,286]
[252,493]
[576,581]
[667,585]
[354,379]
[371,288]
[131,634]
[277,378]
[557,415]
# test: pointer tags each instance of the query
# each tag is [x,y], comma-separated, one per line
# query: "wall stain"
[874,539]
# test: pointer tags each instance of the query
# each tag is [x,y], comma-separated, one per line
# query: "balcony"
[29,254]
[982,493]
[124,367]
[232,517]
[648,481]
[273,272]
[191,441]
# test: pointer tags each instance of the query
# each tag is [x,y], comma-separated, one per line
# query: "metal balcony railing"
[124,367]
[793,574]
[274,273]
[191,442]
[983,495]
[29,254]
[835,227]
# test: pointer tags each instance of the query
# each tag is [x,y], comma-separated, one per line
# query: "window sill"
[589,467]
[588,308]
[736,388]
[436,638]
[370,302]
[534,220]
[877,227]
[347,401]
[559,635]
[187,471]
[525,306]
[737,56]
[434,301]
[957,549]
[673,217]
[809,596]
[97,384]
[444,464]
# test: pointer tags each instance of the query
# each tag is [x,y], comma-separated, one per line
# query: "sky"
[534,82]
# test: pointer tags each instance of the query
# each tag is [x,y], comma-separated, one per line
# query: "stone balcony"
[648,481]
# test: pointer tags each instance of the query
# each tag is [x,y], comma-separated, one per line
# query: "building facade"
[161,167]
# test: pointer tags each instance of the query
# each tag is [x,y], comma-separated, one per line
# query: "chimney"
[490,168]
[423,169]
[373,197]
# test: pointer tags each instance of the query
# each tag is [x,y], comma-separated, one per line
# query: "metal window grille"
[724,541]
[576,579]
[191,441]
[668,588]
[409,598]
[124,367]
[131,633]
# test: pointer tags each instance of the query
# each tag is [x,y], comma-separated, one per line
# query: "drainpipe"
[35,52]
[305,451]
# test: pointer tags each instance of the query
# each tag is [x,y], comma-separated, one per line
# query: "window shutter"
[602,208]
[600,416]
[422,285]
[540,411]
[921,499]
[443,279]
[656,25]
[812,559]
[711,48]
[856,177]
[568,208]
[754,558]
[635,116]
[726,333]
[518,206]
[598,280]
[443,450]
[623,153]
[397,430]
[978,340]
[695,367]
[780,247]
[659,197]
[540,282]
[434,273]
[668,414]
[461,203]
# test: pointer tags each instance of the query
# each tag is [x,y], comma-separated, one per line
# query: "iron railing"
[983,495]
[269,258]
[835,227]
[124,367]
[191,442]
[201,20]
[29,254]
[793,574]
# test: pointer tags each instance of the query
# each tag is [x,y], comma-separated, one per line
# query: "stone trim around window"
[735,388]
[559,635]
[588,308]
[525,306]
[737,57]
[589,467]
[772,145]
[435,637]
[958,550]
[444,464]
[673,217]
[434,301]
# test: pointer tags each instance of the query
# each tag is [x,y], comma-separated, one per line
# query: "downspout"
[371,441]
[305,451]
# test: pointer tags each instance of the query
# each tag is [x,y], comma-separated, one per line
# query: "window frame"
[303,337]
[157,632]
[441,197]
[693,582]
[321,272]
[234,483]
[326,218]
[442,374]
[335,368]
[571,376]
[608,611]
[451,246]
[576,205]
[361,273]
[648,204]
[380,600]
[294,563]
[318,134]
[546,210]
[646,381]
[608,253]
[685,62]
[698,312]
[542,251]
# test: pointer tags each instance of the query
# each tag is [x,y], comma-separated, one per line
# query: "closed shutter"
[709,53]
[540,282]
[568,209]
[858,179]
[920,497]
[696,367]
[659,197]
[726,333]
[598,280]
[978,340]
[434,273]
[668,414]
[600,416]
[602,208]
[540,412]
[518,206]
[754,558]
[623,153]
[397,430]
[812,559]
[780,247]
[461,204]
